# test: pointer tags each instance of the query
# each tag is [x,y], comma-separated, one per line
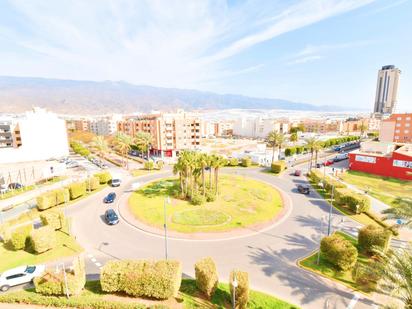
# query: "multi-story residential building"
[320,125]
[397,128]
[36,135]
[82,124]
[171,132]
[259,127]
[6,134]
[386,90]
[106,125]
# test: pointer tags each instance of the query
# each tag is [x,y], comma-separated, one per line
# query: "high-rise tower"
[386,89]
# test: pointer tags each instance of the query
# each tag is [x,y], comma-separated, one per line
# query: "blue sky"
[319,52]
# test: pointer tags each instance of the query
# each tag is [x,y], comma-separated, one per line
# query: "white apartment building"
[259,127]
[35,135]
[106,125]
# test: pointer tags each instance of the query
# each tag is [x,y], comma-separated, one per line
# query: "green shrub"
[278,166]
[160,165]
[246,162]
[366,276]
[54,219]
[290,151]
[233,162]
[77,190]
[339,251]
[43,239]
[197,199]
[210,196]
[62,195]
[52,283]
[149,165]
[316,176]
[19,236]
[160,280]
[92,183]
[206,276]
[104,177]
[46,200]
[242,290]
[371,236]
[358,203]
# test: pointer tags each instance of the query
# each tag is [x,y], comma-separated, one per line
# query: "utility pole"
[166,201]
[321,234]
[330,210]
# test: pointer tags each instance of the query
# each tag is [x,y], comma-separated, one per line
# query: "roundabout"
[242,203]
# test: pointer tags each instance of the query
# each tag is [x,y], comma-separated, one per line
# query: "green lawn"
[383,188]
[142,172]
[31,187]
[67,246]
[242,202]
[328,270]
[188,298]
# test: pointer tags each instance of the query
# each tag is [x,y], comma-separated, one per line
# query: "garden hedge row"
[339,251]
[278,166]
[356,202]
[52,198]
[246,162]
[92,183]
[372,236]
[52,283]
[160,280]
[242,290]
[77,189]
[19,236]
[43,239]
[54,218]
[206,276]
[103,177]
[232,162]
[79,149]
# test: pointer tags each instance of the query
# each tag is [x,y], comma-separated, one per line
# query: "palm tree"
[402,211]
[275,139]
[362,129]
[122,143]
[203,162]
[100,144]
[218,162]
[395,270]
[143,141]
[294,137]
[316,147]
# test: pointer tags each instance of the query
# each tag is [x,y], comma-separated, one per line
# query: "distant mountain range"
[18,94]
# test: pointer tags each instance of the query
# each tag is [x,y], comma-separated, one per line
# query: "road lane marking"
[93,260]
[353,302]
[98,264]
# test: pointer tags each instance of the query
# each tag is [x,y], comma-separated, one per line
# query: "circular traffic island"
[242,202]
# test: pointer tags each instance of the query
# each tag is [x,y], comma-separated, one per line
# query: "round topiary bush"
[339,251]
[197,199]
[373,236]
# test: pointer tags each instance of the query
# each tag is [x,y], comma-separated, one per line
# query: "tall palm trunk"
[181,183]
[273,154]
[216,180]
[280,147]
[203,181]
[311,159]
[210,178]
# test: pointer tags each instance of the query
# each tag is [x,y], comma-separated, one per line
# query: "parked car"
[341,157]
[115,182]
[111,217]
[328,162]
[3,189]
[297,173]
[19,275]
[110,197]
[304,189]
[72,164]
[15,186]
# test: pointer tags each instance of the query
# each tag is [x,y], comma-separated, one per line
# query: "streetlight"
[330,210]
[166,201]
[234,284]
[65,278]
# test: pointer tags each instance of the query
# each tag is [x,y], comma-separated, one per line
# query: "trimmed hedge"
[160,280]
[246,162]
[149,165]
[233,162]
[206,276]
[19,236]
[92,183]
[53,218]
[350,199]
[51,283]
[371,236]
[43,239]
[339,251]
[77,189]
[46,200]
[242,290]
[62,195]
[103,177]
[278,166]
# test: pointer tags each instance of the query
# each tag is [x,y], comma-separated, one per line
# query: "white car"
[116,182]
[20,275]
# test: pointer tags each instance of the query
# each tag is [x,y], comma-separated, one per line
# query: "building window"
[398,124]
[396,137]
[397,131]
[406,131]
[408,118]
[407,125]
[399,118]
[365,159]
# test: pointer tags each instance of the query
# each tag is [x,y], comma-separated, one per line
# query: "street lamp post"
[166,201]
[234,284]
[65,279]
[330,210]
[321,233]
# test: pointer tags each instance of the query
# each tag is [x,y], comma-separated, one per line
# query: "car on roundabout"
[115,182]
[109,198]
[304,189]
[20,275]
[111,217]
[297,173]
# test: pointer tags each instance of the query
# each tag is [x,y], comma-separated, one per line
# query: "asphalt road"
[269,257]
